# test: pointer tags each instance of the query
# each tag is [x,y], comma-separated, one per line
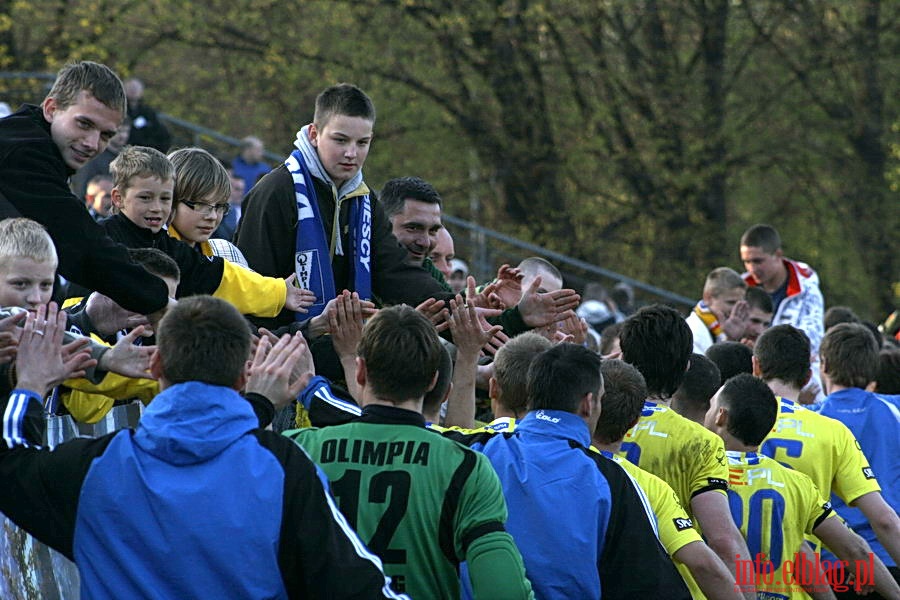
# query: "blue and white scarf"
[312,258]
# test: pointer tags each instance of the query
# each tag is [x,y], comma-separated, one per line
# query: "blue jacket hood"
[192,422]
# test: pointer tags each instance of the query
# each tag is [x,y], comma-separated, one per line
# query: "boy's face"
[197,224]
[147,201]
[25,282]
[722,304]
[81,130]
[342,145]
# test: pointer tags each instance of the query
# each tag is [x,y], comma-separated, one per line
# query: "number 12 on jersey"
[397,483]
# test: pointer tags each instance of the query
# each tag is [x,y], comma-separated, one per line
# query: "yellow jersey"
[822,448]
[684,454]
[774,507]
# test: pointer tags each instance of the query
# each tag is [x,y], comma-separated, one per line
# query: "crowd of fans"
[333,407]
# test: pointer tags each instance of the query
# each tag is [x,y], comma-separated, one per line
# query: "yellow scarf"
[709,319]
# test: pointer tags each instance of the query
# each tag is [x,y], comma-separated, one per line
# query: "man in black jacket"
[40,147]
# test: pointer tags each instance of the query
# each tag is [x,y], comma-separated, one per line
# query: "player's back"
[874,420]
[415,497]
[682,453]
[774,507]
[822,448]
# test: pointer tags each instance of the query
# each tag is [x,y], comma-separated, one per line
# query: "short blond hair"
[139,161]
[24,238]
[199,174]
[723,280]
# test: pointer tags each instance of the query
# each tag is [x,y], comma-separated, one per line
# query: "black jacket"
[33,184]
[267,233]
[199,274]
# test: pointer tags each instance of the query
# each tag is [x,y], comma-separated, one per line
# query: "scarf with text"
[312,258]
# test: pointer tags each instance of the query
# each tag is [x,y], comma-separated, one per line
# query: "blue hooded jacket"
[182,476]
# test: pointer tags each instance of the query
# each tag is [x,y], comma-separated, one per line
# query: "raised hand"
[126,359]
[470,332]
[41,362]
[273,371]
[436,312]
[487,298]
[297,299]
[575,327]
[540,309]
[9,336]
[346,324]
[736,323]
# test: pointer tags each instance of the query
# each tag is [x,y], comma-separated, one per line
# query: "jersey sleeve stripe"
[14,419]
[325,395]
[451,503]
[479,530]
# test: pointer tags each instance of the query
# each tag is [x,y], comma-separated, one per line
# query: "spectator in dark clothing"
[146,128]
[40,147]
[249,164]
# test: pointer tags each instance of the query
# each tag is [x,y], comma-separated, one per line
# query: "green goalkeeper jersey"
[417,499]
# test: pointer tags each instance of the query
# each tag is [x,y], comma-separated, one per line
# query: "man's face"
[722,304]
[147,201]
[766,269]
[342,145]
[83,129]
[443,252]
[25,282]
[416,228]
[757,323]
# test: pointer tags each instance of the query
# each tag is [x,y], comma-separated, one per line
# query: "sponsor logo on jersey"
[683,524]
[545,417]
[869,473]
[717,482]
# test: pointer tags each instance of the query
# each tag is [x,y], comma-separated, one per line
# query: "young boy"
[27,269]
[201,201]
[314,215]
[774,505]
[144,183]
[722,313]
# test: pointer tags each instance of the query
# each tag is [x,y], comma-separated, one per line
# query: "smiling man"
[316,217]
[40,148]
[413,207]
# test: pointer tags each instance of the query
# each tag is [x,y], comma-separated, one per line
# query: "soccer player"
[774,505]
[682,453]
[568,501]
[422,502]
[849,356]
[821,447]
[623,400]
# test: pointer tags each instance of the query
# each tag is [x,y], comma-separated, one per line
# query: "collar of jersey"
[391,415]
